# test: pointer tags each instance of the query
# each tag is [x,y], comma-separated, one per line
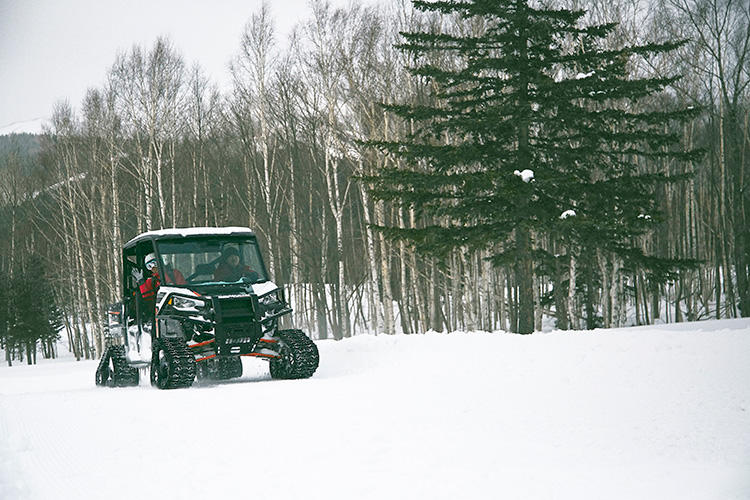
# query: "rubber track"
[103,364]
[300,359]
[123,374]
[229,368]
[183,362]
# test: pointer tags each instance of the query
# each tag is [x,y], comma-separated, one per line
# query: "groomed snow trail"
[655,412]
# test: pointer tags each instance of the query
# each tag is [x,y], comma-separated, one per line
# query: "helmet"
[150,261]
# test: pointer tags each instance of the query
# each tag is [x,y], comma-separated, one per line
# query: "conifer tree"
[37,317]
[533,117]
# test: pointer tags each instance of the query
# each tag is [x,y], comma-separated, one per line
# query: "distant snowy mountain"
[26,127]
[659,412]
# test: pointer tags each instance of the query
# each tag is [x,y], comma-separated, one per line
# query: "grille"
[236,324]
[234,309]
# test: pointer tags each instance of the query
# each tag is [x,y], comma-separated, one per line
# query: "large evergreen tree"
[534,116]
[36,315]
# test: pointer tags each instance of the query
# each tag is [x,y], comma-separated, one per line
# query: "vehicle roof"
[190,231]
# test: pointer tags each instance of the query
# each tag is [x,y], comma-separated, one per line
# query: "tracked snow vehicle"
[202,320]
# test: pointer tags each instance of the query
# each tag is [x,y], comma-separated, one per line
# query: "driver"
[230,268]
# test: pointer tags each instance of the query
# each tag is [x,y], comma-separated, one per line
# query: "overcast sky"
[56,49]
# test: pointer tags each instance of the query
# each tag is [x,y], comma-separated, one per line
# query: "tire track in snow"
[10,484]
[43,440]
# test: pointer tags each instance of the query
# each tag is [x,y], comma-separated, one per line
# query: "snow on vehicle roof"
[191,231]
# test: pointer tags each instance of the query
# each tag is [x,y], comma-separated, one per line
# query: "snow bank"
[649,412]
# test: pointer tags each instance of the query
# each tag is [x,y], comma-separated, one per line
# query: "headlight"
[270,299]
[185,304]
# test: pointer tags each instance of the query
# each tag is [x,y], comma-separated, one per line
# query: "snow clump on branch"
[525,175]
[568,213]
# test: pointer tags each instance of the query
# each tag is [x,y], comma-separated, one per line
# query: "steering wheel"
[202,269]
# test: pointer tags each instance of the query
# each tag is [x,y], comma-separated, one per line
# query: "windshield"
[211,260]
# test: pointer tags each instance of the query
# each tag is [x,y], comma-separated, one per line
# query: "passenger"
[230,268]
[173,276]
[149,286]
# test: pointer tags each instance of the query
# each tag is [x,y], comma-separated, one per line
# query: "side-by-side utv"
[201,321]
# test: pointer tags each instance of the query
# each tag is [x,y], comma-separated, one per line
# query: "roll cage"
[195,254]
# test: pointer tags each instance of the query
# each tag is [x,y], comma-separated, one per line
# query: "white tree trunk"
[385,272]
[607,287]
[158,153]
[405,299]
[374,295]
[572,311]
[116,235]
[295,249]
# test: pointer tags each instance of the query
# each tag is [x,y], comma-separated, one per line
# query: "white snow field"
[639,413]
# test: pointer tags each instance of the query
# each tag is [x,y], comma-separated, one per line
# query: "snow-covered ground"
[640,413]
[34,126]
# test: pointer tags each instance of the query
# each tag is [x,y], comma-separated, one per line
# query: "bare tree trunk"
[406,300]
[723,225]
[499,286]
[158,154]
[374,299]
[385,272]
[574,324]
[486,293]
[149,177]
[116,235]
[294,243]
[525,280]
[173,181]
[436,323]
[620,303]
[456,295]
[467,298]
[561,305]
[603,263]
[322,295]
[97,305]
[512,302]
[537,302]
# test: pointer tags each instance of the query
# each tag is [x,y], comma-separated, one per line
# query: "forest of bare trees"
[285,152]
